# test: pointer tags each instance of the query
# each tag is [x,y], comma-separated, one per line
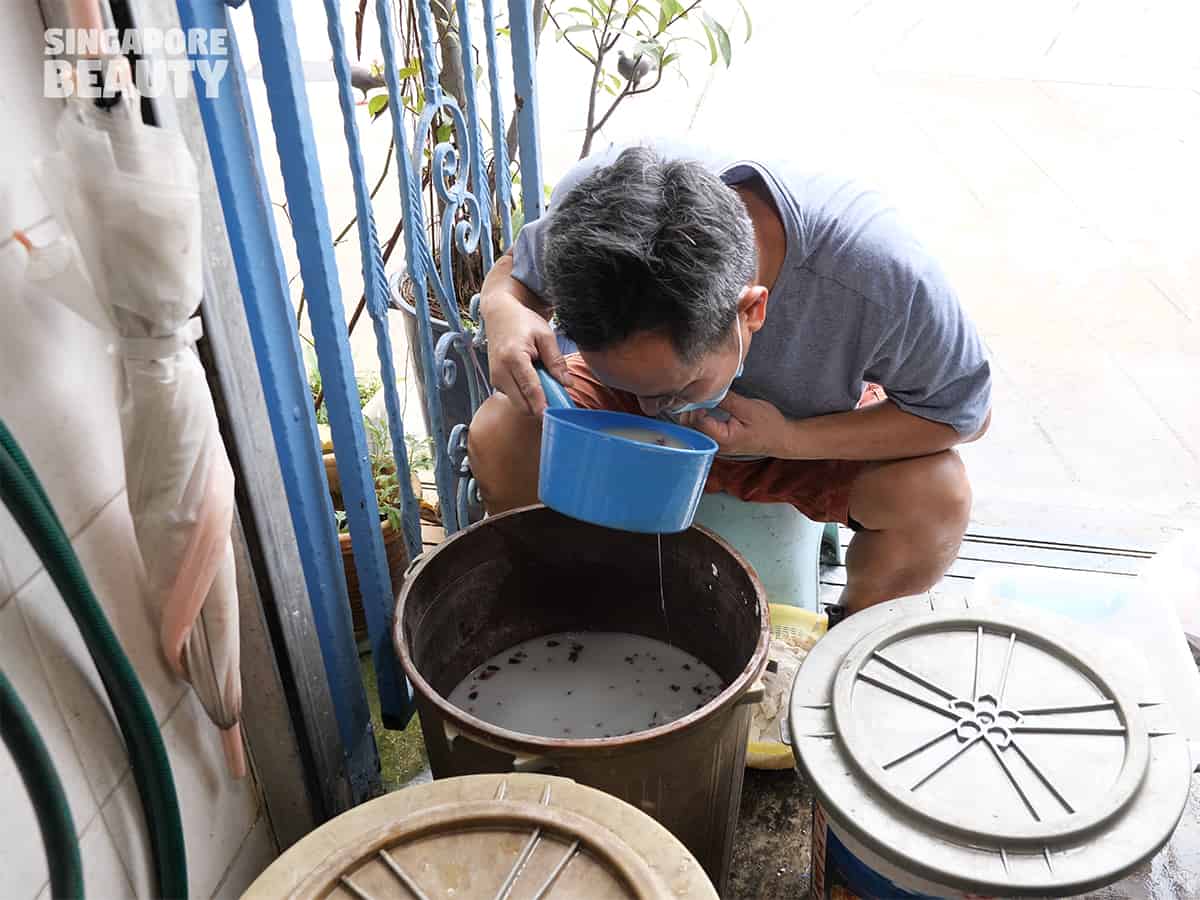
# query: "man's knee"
[936,491]
[503,445]
[923,492]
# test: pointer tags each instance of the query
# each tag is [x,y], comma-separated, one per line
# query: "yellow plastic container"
[792,624]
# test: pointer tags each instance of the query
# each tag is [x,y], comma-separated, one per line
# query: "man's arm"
[518,333]
[877,432]
[500,287]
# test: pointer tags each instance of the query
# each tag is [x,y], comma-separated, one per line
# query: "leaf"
[686,39]
[667,11]
[444,132]
[640,12]
[712,44]
[588,54]
[505,31]
[376,105]
[723,41]
[574,28]
[412,70]
[713,27]
[668,59]
[601,7]
[584,15]
[653,49]
[746,15]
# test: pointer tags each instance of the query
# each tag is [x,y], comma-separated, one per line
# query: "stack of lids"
[982,749]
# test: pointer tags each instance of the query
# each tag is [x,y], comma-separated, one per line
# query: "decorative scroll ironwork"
[464,197]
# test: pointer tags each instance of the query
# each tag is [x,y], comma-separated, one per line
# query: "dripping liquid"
[662,597]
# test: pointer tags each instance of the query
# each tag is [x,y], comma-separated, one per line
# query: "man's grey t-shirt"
[857,300]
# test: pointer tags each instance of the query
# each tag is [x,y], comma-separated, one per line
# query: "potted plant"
[627,46]
[387,492]
[388,497]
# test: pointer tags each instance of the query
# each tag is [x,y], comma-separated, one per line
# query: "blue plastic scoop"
[618,470]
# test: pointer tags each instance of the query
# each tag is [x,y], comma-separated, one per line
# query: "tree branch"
[630,89]
[570,43]
[590,130]
[359,15]
[362,302]
[337,240]
[677,17]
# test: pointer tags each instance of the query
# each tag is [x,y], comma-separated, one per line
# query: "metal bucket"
[532,572]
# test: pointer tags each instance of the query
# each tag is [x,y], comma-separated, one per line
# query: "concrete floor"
[1045,149]
[771,848]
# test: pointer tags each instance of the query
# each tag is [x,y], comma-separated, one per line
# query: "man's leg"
[913,513]
[504,446]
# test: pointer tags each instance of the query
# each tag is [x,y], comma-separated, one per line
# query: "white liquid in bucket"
[647,436]
[592,684]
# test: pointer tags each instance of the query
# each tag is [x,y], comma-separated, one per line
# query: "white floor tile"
[75,683]
[109,555]
[62,409]
[111,562]
[24,861]
[104,874]
[258,852]
[217,811]
[25,672]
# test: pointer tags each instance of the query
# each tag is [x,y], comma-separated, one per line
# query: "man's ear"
[753,305]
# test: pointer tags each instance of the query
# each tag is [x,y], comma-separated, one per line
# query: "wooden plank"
[432,535]
[1046,554]
[1008,537]
[972,568]
[264,541]
[947,590]
[836,575]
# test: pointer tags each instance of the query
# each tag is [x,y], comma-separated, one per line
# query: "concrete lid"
[488,836]
[979,748]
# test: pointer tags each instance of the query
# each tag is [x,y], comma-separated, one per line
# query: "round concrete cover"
[980,749]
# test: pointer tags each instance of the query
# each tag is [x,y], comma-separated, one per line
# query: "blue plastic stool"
[782,545]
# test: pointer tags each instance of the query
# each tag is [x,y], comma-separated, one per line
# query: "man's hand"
[754,427]
[881,431]
[517,335]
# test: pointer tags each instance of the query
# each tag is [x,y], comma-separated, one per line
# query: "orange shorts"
[819,488]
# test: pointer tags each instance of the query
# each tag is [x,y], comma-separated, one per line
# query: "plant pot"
[456,400]
[393,544]
[397,560]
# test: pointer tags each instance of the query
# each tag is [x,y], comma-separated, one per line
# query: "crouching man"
[788,316]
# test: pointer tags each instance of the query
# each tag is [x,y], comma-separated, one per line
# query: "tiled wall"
[59,394]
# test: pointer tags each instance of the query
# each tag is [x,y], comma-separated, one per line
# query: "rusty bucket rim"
[518,741]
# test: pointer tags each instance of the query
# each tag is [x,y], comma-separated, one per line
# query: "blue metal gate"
[466,200]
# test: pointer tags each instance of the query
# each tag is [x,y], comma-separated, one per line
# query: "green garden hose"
[41,780]
[22,493]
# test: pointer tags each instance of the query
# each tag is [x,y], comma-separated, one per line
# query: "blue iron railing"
[465,200]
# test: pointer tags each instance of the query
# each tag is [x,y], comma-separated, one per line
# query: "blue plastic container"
[589,472]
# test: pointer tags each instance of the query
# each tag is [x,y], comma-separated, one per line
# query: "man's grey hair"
[648,244]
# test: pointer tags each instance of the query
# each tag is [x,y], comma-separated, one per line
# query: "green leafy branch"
[653,30]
